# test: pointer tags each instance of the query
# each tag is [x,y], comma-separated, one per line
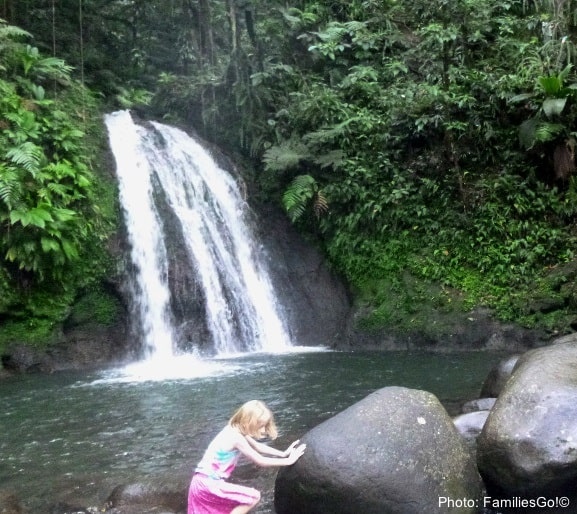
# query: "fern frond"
[285,156]
[535,130]
[320,204]
[27,155]
[335,159]
[329,134]
[298,195]
[548,131]
[10,187]
[10,32]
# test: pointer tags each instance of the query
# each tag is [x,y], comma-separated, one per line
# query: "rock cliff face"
[317,303]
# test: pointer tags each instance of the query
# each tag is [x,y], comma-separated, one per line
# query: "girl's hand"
[293,445]
[296,452]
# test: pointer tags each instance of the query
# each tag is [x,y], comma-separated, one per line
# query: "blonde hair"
[253,415]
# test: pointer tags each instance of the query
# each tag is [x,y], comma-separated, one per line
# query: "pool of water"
[73,437]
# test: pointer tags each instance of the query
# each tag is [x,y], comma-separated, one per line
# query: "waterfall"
[164,174]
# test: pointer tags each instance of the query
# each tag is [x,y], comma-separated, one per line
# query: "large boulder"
[395,451]
[528,446]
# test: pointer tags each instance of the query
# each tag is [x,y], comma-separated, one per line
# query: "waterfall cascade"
[162,168]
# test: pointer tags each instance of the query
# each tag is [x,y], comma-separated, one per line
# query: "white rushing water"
[241,306]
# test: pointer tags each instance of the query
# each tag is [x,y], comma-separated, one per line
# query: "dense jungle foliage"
[55,211]
[427,147]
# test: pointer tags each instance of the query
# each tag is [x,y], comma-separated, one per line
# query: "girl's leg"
[243,509]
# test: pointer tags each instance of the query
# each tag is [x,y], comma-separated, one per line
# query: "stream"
[72,437]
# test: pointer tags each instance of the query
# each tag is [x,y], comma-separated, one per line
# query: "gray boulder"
[478,405]
[395,451]
[528,446]
[470,424]
[498,376]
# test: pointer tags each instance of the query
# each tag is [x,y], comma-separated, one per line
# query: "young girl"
[209,491]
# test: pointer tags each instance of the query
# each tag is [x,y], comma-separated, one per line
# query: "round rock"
[395,451]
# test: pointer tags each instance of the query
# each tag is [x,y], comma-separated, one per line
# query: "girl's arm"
[269,450]
[246,448]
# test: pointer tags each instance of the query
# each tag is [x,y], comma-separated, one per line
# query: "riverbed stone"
[498,376]
[394,452]
[10,503]
[139,509]
[528,446]
[470,424]
[150,497]
[478,405]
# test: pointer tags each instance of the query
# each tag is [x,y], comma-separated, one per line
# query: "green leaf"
[19,216]
[70,249]
[548,131]
[49,245]
[65,214]
[38,216]
[28,155]
[551,85]
[554,106]
[521,98]
[335,159]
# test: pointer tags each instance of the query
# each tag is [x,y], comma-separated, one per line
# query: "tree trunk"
[249,19]
[205,30]
[234,29]
[9,12]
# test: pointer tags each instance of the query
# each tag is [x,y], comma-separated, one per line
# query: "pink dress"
[210,493]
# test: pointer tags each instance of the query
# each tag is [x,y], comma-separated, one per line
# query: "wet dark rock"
[395,451]
[139,509]
[316,301]
[453,330]
[149,497]
[64,508]
[80,349]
